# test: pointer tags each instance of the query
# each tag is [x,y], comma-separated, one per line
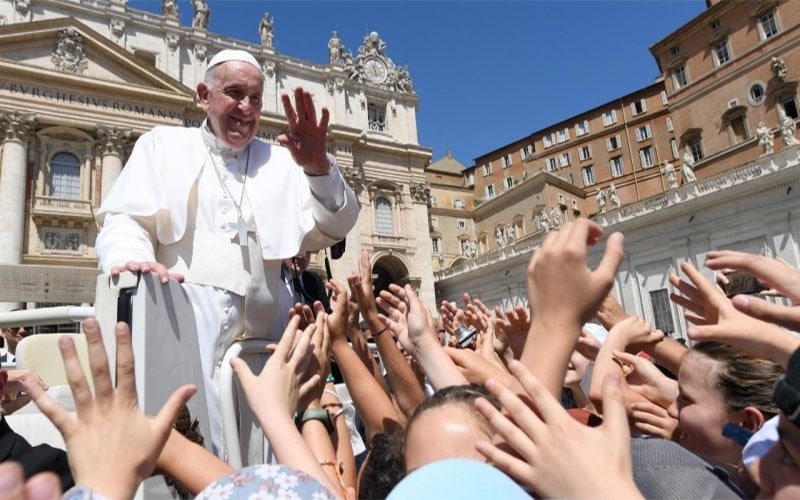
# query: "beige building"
[723,115]
[81,80]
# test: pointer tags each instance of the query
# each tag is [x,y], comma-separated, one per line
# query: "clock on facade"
[375,70]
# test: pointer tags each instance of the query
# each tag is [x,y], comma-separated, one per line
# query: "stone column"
[112,142]
[15,128]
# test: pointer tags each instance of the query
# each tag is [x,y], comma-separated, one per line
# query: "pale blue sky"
[487,72]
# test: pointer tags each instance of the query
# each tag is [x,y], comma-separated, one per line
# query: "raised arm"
[563,294]
[407,390]
[371,401]
[414,331]
[111,445]
[273,396]
[715,317]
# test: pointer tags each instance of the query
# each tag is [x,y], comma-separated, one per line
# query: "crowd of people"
[568,397]
[652,419]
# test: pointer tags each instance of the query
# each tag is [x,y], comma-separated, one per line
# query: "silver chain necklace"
[242,228]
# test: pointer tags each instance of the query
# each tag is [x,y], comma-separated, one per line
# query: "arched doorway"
[388,269]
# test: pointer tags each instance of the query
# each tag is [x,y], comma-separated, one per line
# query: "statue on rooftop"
[765,139]
[335,49]
[202,14]
[265,30]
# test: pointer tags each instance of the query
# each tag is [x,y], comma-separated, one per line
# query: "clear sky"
[486,72]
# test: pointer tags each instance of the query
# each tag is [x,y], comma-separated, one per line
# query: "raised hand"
[561,284]
[653,419]
[610,312]
[514,326]
[306,139]
[111,445]
[563,293]
[715,317]
[340,310]
[277,389]
[556,455]
[647,380]
[636,330]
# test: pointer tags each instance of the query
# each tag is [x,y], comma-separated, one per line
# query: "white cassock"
[178,201]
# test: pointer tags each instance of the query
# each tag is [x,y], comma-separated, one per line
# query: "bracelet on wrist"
[320,414]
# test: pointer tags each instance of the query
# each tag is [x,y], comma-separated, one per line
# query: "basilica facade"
[81,80]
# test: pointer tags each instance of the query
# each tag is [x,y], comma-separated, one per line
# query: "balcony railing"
[45,205]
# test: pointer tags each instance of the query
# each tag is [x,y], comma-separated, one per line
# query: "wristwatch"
[320,414]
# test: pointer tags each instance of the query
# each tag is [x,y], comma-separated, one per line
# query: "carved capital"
[113,140]
[172,40]
[354,177]
[334,84]
[200,52]
[15,126]
[268,68]
[117,27]
[22,6]
[420,192]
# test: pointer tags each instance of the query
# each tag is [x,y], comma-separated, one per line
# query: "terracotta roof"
[447,165]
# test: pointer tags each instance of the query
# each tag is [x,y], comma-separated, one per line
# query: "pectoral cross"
[243,229]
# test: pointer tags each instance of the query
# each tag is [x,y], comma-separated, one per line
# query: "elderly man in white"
[218,209]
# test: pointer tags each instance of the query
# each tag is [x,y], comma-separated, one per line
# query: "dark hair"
[741,379]
[454,395]
[384,466]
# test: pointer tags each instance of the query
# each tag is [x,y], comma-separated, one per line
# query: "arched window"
[383,216]
[65,176]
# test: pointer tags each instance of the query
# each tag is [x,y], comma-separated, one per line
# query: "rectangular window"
[643,133]
[525,151]
[582,128]
[696,147]
[609,117]
[673,144]
[585,152]
[588,175]
[562,135]
[490,193]
[721,53]
[469,179]
[617,166]
[769,25]
[613,143]
[675,50]
[670,128]
[664,99]
[563,160]
[487,169]
[377,118]
[551,165]
[679,77]
[738,130]
[647,157]
[461,224]
[432,200]
[383,217]
[506,161]
[435,245]
[509,182]
[458,203]
[638,107]
[662,314]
